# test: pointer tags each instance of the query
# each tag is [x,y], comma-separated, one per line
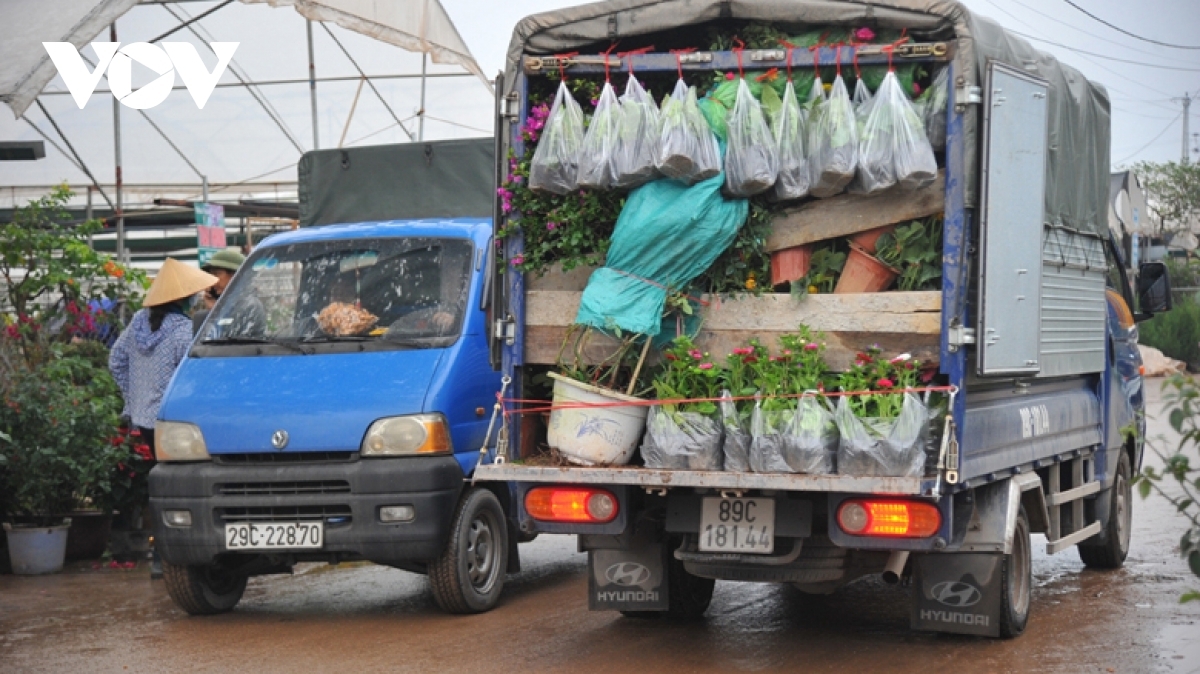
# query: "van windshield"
[402,291]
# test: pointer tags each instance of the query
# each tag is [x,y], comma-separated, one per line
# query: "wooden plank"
[557,279]
[901,322]
[848,214]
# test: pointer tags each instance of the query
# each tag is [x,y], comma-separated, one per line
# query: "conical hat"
[176,281]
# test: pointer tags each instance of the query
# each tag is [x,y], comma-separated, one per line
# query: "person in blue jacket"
[147,353]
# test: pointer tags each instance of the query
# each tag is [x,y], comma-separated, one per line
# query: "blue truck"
[1034,327]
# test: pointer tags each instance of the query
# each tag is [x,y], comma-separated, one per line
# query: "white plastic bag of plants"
[736,444]
[555,164]
[933,109]
[688,150]
[598,154]
[637,149]
[788,126]
[873,447]
[832,143]
[803,440]
[913,163]
[682,441]
[750,162]
[862,103]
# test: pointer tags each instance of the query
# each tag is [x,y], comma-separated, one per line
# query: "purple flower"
[594,102]
[518,260]
[864,34]
[551,226]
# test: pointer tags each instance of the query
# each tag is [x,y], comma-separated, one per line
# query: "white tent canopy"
[26,68]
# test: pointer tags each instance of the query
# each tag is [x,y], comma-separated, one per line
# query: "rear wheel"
[203,590]
[1111,553]
[469,575]
[1016,589]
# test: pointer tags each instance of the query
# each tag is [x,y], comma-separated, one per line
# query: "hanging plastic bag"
[832,143]
[862,104]
[803,440]
[688,149]
[736,445]
[789,145]
[682,441]
[598,154]
[750,162]
[872,447]
[637,149]
[915,164]
[932,109]
[555,164]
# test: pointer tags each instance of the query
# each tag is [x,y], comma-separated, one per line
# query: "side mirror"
[1153,289]
[198,321]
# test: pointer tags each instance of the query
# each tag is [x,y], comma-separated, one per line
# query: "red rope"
[562,68]
[679,61]
[741,47]
[544,407]
[788,58]
[635,52]
[606,53]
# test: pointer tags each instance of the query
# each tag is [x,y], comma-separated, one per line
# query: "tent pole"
[312,84]
[421,112]
[112,36]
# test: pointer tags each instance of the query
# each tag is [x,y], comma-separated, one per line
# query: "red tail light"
[571,504]
[889,518]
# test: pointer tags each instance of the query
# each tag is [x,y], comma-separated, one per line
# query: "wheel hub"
[481,554]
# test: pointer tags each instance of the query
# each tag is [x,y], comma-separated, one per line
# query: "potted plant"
[685,435]
[915,250]
[587,427]
[825,268]
[738,381]
[880,422]
[58,403]
[791,431]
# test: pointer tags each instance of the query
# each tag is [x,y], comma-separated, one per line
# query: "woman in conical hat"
[147,353]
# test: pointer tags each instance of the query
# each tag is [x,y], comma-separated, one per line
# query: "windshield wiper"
[255,340]
[325,339]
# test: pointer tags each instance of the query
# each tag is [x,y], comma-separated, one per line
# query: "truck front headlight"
[179,441]
[408,435]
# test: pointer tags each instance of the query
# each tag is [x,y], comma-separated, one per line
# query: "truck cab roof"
[476,229]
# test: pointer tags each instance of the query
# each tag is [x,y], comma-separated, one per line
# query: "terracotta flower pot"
[868,238]
[863,273]
[790,264]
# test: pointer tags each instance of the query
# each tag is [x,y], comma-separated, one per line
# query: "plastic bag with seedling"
[750,162]
[688,150]
[685,434]
[598,154]
[638,146]
[791,432]
[884,429]
[555,164]
[832,143]
[788,126]
[862,103]
[894,147]
[738,376]
[931,107]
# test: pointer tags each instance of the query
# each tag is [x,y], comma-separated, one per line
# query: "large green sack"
[667,234]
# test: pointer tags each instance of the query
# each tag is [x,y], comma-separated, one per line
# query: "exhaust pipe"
[895,566]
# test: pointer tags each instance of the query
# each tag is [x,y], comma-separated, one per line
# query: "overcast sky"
[233,139]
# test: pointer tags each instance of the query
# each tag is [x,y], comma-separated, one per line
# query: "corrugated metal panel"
[1074,313]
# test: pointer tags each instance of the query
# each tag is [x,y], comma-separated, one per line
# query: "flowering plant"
[799,367]
[129,487]
[688,372]
[872,372]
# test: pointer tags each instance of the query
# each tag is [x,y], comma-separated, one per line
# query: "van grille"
[332,515]
[286,457]
[283,488]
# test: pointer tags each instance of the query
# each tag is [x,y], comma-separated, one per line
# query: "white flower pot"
[594,435]
[37,550]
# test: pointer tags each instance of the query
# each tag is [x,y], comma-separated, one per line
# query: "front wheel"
[1016,590]
[204,589]
[469,575]
[1111,553]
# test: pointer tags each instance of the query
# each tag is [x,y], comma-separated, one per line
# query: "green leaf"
[1192,595]
[1144,488]
[1176,419]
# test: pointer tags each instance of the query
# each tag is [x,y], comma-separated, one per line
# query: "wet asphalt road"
[365,618]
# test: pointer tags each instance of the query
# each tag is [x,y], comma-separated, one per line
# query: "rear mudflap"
[629,579]
[957,593]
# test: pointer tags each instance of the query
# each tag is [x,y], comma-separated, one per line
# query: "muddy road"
[365,618]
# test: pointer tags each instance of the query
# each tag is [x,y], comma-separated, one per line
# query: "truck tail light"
[889,518]
[571,504]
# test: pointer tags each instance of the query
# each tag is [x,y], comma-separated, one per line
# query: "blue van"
[330,409]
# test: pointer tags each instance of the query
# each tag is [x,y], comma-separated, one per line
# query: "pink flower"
[864,34]
[916,89]
[901,358]
[695,353]
[927,376]
[518,260]
[551,226]
[811,346]
[705,366]
[743,351]
[885,383]
[594,102]
[728,76]
[13,331]
[787,352]
[750,360]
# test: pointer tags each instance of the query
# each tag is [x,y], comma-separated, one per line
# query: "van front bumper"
[345,495]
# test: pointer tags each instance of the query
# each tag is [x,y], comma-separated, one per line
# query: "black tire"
[1111,552]
[203,590]
[1016,581]
[688,596]
[469,575]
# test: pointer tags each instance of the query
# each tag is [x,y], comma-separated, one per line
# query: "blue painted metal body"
[326,401]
